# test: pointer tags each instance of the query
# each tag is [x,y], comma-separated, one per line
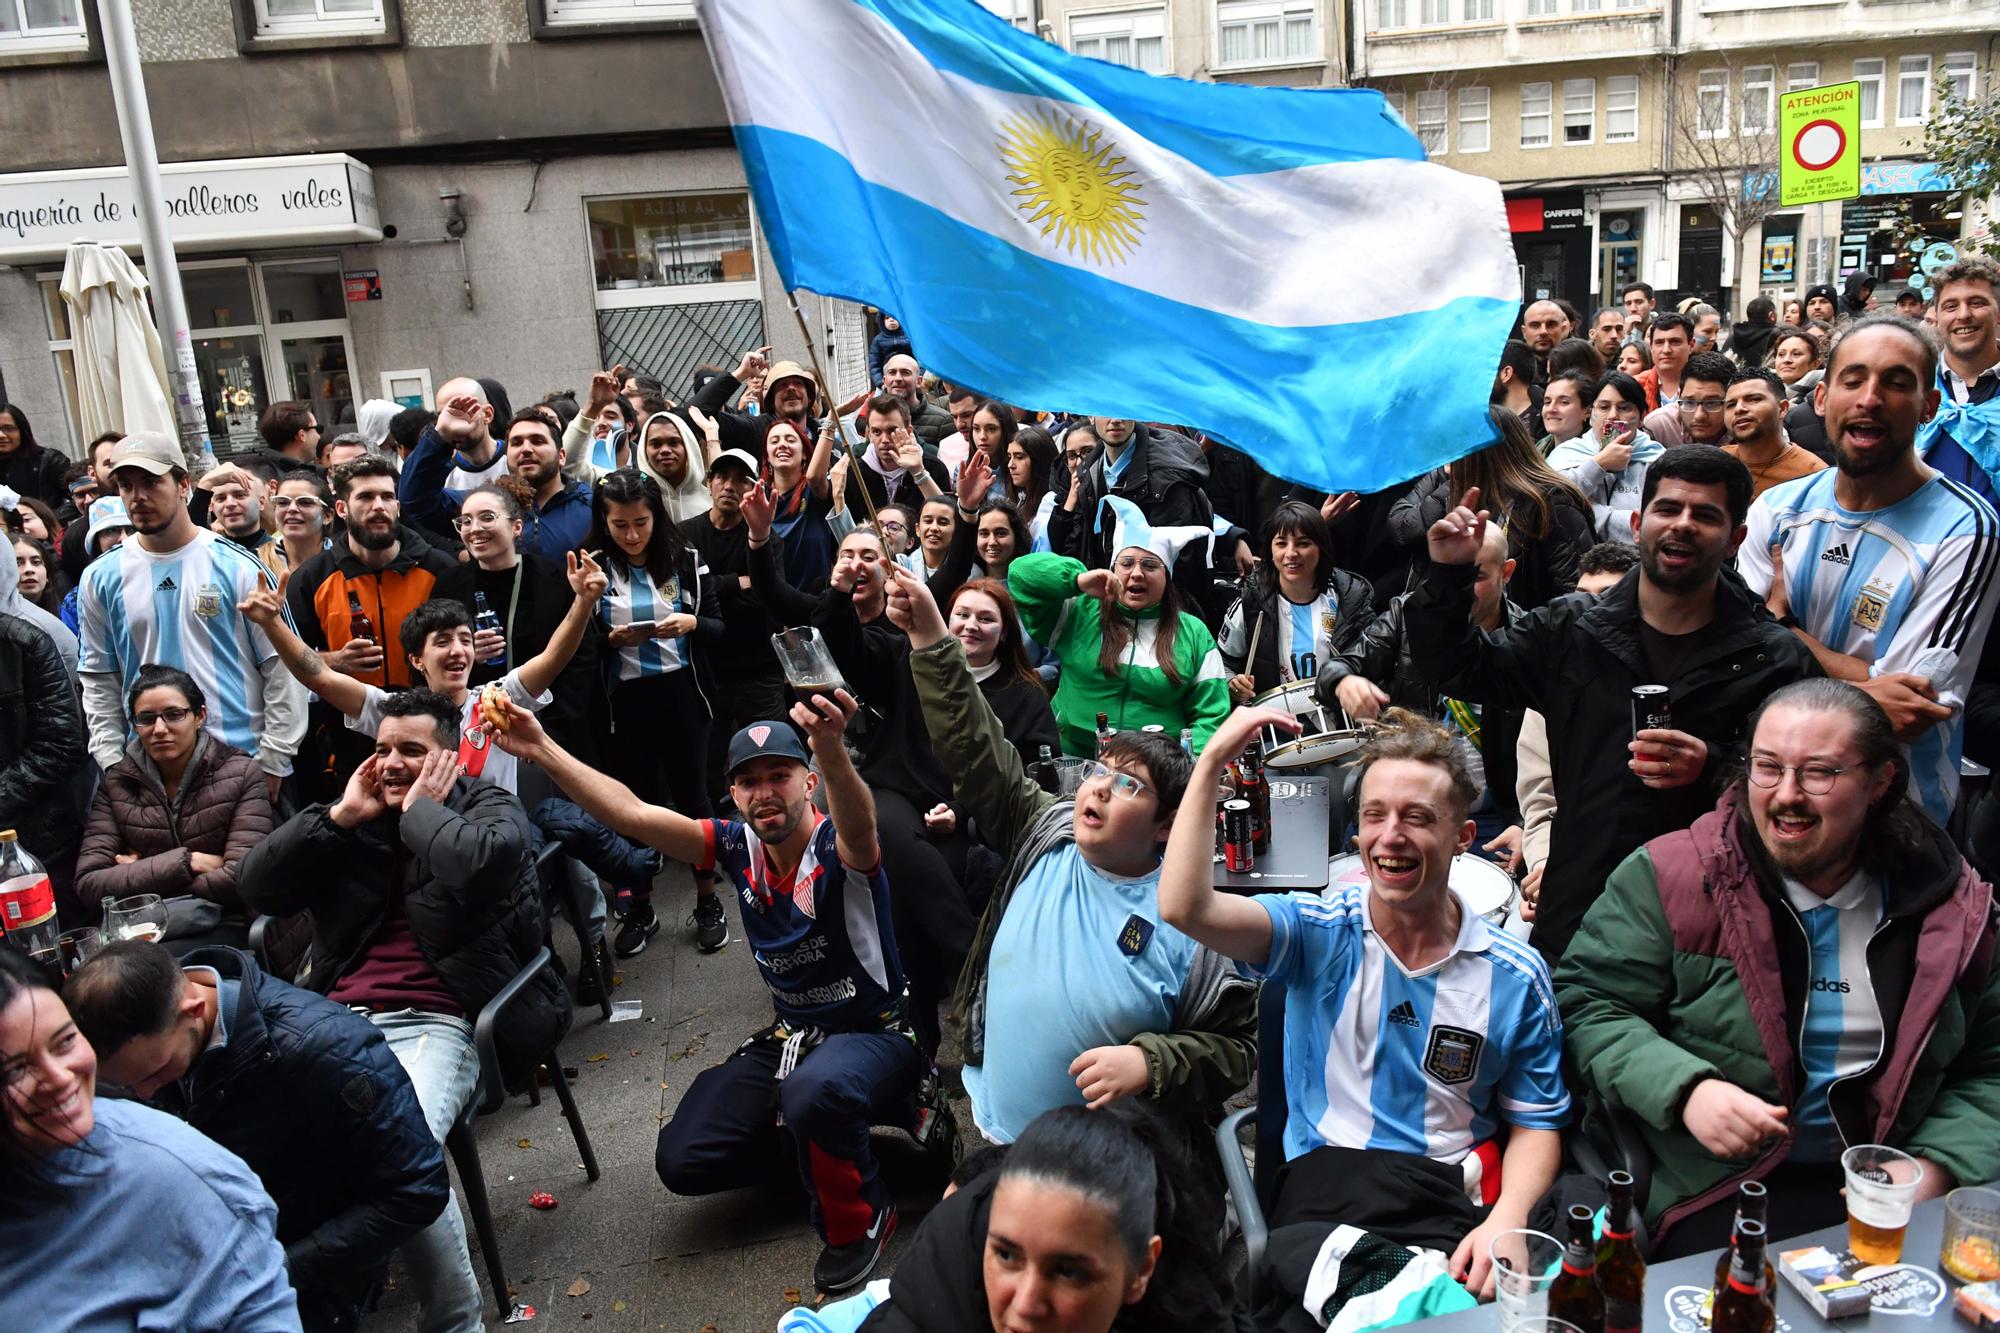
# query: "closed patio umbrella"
[121,375]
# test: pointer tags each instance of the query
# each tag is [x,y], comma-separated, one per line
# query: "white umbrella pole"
[142,162]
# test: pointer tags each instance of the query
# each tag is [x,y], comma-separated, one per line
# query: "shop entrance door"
[306,336]
[1620,237]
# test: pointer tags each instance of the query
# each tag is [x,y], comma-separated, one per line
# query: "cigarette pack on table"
[1979,1302]
[1826,1279]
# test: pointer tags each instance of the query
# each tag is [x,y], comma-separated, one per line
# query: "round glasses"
[1814,779]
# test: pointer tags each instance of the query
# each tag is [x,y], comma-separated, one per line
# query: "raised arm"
[1233,926]
[610,800]
[848,799]
[587,581]
[786,604]
[821,461]
[266,608]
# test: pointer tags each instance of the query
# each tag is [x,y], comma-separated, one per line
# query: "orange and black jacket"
[319,590]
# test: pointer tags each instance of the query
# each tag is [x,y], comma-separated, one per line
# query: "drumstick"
[1256,632]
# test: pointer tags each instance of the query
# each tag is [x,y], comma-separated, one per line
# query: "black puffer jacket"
[1576,661]
[46,776]
[469,891]
[34,471]
[309,1095]
[1355,595]
[1167,479]
[1544,567]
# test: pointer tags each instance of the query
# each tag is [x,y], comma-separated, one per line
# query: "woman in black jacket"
[1298,607]
[982,617]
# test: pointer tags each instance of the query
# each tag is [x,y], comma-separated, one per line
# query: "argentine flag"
[1280,268]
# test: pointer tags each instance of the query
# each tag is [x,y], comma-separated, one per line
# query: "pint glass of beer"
[1881,1190]
[140,917]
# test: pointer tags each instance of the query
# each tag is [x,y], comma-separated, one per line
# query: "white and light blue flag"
[1278,267]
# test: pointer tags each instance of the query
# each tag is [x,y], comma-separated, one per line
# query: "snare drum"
[1484,886]
[1328,733]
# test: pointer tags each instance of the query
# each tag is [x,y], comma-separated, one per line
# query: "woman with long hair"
[118,1216]
[40,573]
[1030,479]
[937,523]
[1634,359]
[1546,517]
[982,616]
[660,615]
[994,426]
[27,468]
[303,508]
[1297,606]
[1795,359]
[804,498]
[1608,461]
[1127,649]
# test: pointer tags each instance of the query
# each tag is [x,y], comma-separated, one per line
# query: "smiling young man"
[1809,965]
[814,905]
[1413,1032]
[1968,323]
[1881,565]
[1674,621]
[1754,411]
[1076,990]
[558,520]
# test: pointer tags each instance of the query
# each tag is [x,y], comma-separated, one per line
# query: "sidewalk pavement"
[636,1256]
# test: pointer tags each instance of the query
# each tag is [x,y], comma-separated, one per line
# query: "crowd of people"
[936,689]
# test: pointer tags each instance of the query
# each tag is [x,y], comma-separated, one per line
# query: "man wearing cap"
[1822,302]
[748,684]
[790,391]
[169,595]
[814,905]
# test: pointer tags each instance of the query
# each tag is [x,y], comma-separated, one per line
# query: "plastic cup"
[1069,775]
[1525,1265]
[1881,1190]
[1971,1250]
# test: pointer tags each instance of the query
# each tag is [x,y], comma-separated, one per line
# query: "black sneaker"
[936,1129]
[843,1266]
[641,924]
[587,990]
[710,922]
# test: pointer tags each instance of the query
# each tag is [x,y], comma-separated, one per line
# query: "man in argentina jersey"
[815,909]
[169,595]
[1413,1033]
[1887,566]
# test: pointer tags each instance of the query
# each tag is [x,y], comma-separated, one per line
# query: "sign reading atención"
[316,198]
[1819,144]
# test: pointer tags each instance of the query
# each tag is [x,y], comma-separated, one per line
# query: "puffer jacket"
[1354,595]
[1694,965]
[45,770]
[223,808]
[309,1095]
[1614,496]
[470,894]
[1167,478]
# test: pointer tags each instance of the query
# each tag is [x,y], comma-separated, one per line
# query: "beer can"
[1649,709]
[1238,852]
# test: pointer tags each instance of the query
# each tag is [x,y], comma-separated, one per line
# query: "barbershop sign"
[257,202]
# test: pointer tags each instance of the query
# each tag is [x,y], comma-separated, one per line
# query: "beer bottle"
[1751,1200]
[1045,772]
[1621,1270]
[1104,732]
[1258,792]
[359,626]
[1574,1295]
[1746,1301]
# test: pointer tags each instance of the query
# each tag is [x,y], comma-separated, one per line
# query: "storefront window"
[689,240]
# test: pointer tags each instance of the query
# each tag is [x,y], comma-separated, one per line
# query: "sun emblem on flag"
[1072,182]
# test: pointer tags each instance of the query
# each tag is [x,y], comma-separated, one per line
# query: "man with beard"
[559,519]
[1754,410]
[1673,621]
[170,595]
[790,391]
[1881,565]
[382,571]
[1607,334]
[903,378]
[1808,965]
[1543,325]
[814,903]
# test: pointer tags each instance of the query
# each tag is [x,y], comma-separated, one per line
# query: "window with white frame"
[1801,74]
[1962,68]
[319,18]
[1537,118]
[1621,108]
[1392,13]
[1913,89]
[559,12]
[1579,111]
[671,247]
[1870,74]
[1759,100]
[1266,32]
[1633,4]
[1585,6]
[1135,38]
[28,26]
[1475,120]
[1431,12]
[1432,129]
[1711,104]
[1541,8]
[1478,11]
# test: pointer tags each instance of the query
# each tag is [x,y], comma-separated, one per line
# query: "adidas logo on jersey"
[167,584]
[1405,1014]
[1838,555]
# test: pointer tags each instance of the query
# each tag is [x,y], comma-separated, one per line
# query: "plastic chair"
[558,884]
[1252,1194]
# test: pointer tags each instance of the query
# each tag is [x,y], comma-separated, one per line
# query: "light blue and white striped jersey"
[1304,630]
[179,609]
[1430,1062]
[631,598]
[1842,1035]
[1906,588]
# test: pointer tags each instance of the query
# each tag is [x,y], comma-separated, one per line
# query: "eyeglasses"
[1814,779]
[1689,406]
[1123,785]
[465,522]
[1143,566]
[299,501]
[173,717]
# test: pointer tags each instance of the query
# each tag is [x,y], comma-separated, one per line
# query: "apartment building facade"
[1577,108]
